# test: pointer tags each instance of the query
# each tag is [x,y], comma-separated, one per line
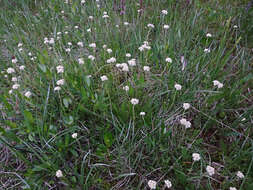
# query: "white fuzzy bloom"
[30,54]
[58,33]
[152,184]
[57,88]
[15,86]
[196,157]
[217,83]
[186,123]
[20,49]
[10,91]
[146,68]
[69,43]
[10,70]
[59,173]
[60,69]
[62,12]
[80,61]
[126,88]
[235,26]
[90,17]
[60,82]
[166,26]
[104,46]
[240,175]
[88,30]
[28,94]
[134,101]
[142,113]
[126,23]
[67,49]
[105,13]
[51,41]
[168,183]
[208,35]
[128,55]
[132,62]
[168,60]
[151,25]
[20,45]
[92,45]
[66,32]
[186,106]
[210,170]
[46,40]
[14,60]
[14,79]
[91,57]
[178,86]
[232,188]
[74,135]
[111,60]
[76,27]
[164,12]
[22,67]
[104,78]
[82,2]
[105,16]
[207,50]
[116,25]
[125,67]
[109,50]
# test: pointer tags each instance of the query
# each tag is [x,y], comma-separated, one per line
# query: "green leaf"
[108,139]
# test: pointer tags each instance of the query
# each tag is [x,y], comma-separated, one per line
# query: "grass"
[115,146]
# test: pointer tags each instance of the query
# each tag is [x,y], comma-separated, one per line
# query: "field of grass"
[99,95]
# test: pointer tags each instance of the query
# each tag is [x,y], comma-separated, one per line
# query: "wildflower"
[240,175]
[67,49]
[60,69]
[178,86]
[235,26]
[20,49]
[128,55]
[51,41]
[58,33]
[30,54]
[90,17]
[91,57]
[186,106]
[20,45]
[186,123]
[80,61]
[217,83]
[74,135]
[82,2]
[111,60]
[15,86]
[88,30]
[134,101]
[142,113]
[168,183]
[10,91]
[60,82]
[59,173]
[232,188]
[69,43]
[62,12]
[76,27]
[132,62]
[22,67]
[10,70]
[164,12]
[126,23]
[152,184]
[168,60]
[125,67]
[109,50]
[166,26]
[207,50]
[14,60]
[28,94]
[14,79]
[104,46]
[105,16]
[92,45]
[195,157]
[57,88]
[66,32]
[146,68]
[208,35]
[104,78]
[210,170]
[126,88]
[151,26]
[116,25]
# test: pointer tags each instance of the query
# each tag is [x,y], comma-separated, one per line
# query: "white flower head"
[14,60]
[168,60]
[76,27]
[60,82]
[69,43]
[125,67]
[186,106]
[128,55]
[152,184]
[142,113]
[132,62]
[150,26]
[196,157]
[92,45]
[146,68]
[126,23]
[208,35]
[105,16]
[178,86]
[186,123]
[240,174]
[80,61]
[10,70]
[134,101]
[168,183]
[104,46]
[111,60]
[57,88]
[91,17]
[74,135]
[126,88]
[109,50]
[14,79]
[207,50]
[232,188]
[51,41]
[104,78]
[80,44]
[217,83]
[166,26]
[91,57]
[164,12]
[60,69]
[210,170]
[235,26]
[15,86]
[28,94]
[22,67]
[20,45]
[59,173]
[68,50]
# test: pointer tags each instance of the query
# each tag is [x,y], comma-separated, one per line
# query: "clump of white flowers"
[164,12]
[178,86]
[59,173]
[74,135]
[80,44]
[132,62]
[22,67]
[91,57]
[10,70]
[109,50]
[144,46]
[146,68]
[126,88]
[210,170]
[166,26]
[80,61]
[185,123]
[123,66]
[60,69]
[232,188]
[126,23]
[208,35]
[57,88]
[104,78]
[142,113]
[92,45]
[240,174]
[134,101]
[15,86]
[150,26]
[207,50]
[60,82]
[217,83]
[168,183]
[168,60]
[111,60]
[14,60]
[152,184]
[196,157]
[186,106]
[128,55]
[28,94]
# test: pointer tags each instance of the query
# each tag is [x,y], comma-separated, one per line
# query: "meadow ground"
[152,94]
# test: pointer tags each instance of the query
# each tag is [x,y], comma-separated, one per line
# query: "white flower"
[10,91]
[109,50]
[90,17]
[69,43]
[60,69]
[15,86]
[104,46]
[168,60]
[126,88]
[164,12]
[22,67]
[66,32]
[58,33]
[80,61]
[207,50]
[14,79]
[14,60]
[57,88]
[142,113]
[105,13]
[111,60]
[217,83]
[82,2]
[62,12]
[232,188]
[132,62]
[92,45]
[67,49]
[59,173]
[116,25]
[210,170]
[196,157]
[60,82]
[104,78]
[30,54]
[76,27]
[91,57]
[178,86]
[186,106]
[128,55]
[168,183]
[235,26]
[166,26]
[240,175]
[105,16]
[186,123]
[152,184]
[146,68]
[134,101]
[208,35]
[74,135]
[151,26]
[20,45]
[20,49]
[124,67]
[10,70]
[126,23]
[28,94]
[51,41]
[88,30]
